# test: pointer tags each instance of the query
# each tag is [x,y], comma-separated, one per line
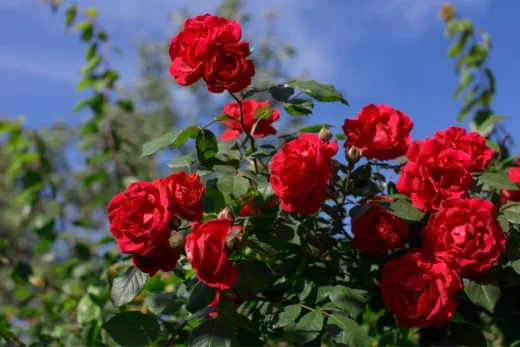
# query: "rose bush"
[268,237]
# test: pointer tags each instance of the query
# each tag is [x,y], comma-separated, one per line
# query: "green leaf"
[94,102]
[485,295]
[402,210]
[455,49]
[126,105]
[254,277]
[163,303]
[309,327]
[498,180]
[162,142]
[513,214]
[188,133]
[224,117]
[211,333]
[265,190]
[263,113]
[127,286]
[132,328]
[87,310]
[341,137]
[320,92]
[260,247]
[299,107]
[315,128]
[350,300]
[70,16]
[239,320]
[233,185]
[184,161]
[346,331]
[200,297]
[290,314]
[359,210]
[202,312]
[516,266]
[465,79]
[489,124]
[504,223]
[91,64]
[281,93]
[207,146]
[303,288]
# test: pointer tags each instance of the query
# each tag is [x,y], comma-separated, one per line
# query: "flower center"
[458,234]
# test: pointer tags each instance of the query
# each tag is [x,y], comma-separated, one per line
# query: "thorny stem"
[242,124]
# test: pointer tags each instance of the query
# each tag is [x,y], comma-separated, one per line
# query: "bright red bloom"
[139,217]
[418,292]
[434,174]
[139,220]
[206,250]
[184,193]
[466,235]
[300,172]
[186,65]
[262,129]
[514,172]
[249,209]
[471,143]
[379,132]
[509,195]
[378,231]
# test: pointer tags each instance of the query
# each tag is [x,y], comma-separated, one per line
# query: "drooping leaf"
[188,133]
[358,210]
[184,161]
[162,142]
[127,286]
[346,331]
[211,333]
[163,303]
[315,128]
[281,93]
[200,297]
[303,288]
[318,91]
[484,294]
[403,209]
[207,145]
[308,327]
[91,64]
[132,328]
[350,300]
[513,214]
[235,185]
[288,315]
[498,180]
[299,107]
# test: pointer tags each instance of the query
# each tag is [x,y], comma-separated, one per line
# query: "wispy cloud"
[409,19]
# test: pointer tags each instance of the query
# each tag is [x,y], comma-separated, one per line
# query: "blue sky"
[376,51]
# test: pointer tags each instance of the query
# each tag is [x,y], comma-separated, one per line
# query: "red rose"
[185,192]
[434,174]
[465,234]
[226,66]
[378,231]
[514,172]
[248,209]
[139,218]
[206,250]
[300,171]
[262,128]
[162,257]
[187,65]
[419,293]
[379,132]
[471,143]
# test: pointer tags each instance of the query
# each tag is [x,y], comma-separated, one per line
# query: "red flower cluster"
[300,172]
[257,128]
[378,231]
[379,132]
[140,218]
[249,209]
[441,167]
[210,47]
